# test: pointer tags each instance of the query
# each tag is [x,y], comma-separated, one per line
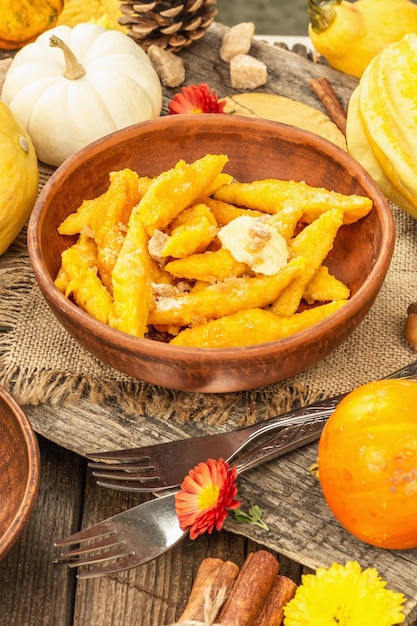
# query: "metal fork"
[146,531]
[163,466]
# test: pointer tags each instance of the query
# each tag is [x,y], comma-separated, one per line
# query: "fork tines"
[106,551]
[121,455]
[120,475]
[126,466]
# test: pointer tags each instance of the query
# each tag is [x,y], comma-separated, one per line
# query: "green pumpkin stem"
[73,69]
[321,14]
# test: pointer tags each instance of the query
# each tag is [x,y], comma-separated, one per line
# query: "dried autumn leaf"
[287,111]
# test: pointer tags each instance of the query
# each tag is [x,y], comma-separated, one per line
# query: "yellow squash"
[349,34]
[361,149]
[104,12]
[19,176]
[381,126]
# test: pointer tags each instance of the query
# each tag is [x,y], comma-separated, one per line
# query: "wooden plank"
[288,72]
[154,593]
[68,425]
[39,591]
[301,526]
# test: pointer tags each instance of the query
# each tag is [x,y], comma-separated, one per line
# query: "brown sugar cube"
[237,40]
[168,66]
[246,72]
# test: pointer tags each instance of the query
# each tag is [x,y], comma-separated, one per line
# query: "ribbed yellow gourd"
[19,177]
[382,122]
[104,12]
[361,150]
[349,34]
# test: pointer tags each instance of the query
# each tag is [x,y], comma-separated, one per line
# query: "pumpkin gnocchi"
[195,258]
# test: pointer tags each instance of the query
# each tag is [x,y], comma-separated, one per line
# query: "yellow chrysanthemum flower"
[344,596]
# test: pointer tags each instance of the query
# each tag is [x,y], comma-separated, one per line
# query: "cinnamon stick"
[250,590]
[327,96]
[215,574]
[272,611]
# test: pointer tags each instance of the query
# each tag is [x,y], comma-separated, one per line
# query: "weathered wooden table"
[39,592]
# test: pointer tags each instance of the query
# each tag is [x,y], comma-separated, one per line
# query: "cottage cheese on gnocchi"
[256,242]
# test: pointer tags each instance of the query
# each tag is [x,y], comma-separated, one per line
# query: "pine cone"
[171,24]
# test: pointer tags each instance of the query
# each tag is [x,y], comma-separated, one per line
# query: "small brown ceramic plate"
[19,471]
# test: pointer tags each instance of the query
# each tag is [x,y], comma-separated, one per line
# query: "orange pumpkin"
[21,21]
[367,461]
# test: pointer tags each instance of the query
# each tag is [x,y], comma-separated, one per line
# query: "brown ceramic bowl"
[257,149]
[19,471]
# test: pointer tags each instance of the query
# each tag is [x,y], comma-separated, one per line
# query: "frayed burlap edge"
[33,385]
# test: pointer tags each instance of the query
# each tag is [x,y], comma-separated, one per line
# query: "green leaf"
[253,516]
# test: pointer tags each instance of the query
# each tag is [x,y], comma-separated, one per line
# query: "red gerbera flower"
[205,496]
[196,99]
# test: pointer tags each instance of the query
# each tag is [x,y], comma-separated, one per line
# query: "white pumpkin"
[67,101]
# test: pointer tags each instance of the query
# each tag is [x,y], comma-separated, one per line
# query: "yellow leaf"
[287,111]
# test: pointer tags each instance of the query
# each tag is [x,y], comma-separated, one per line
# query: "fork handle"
[286,440]
[297,434]
[319,411]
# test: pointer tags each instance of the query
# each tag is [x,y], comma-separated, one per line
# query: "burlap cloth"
[41,363]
